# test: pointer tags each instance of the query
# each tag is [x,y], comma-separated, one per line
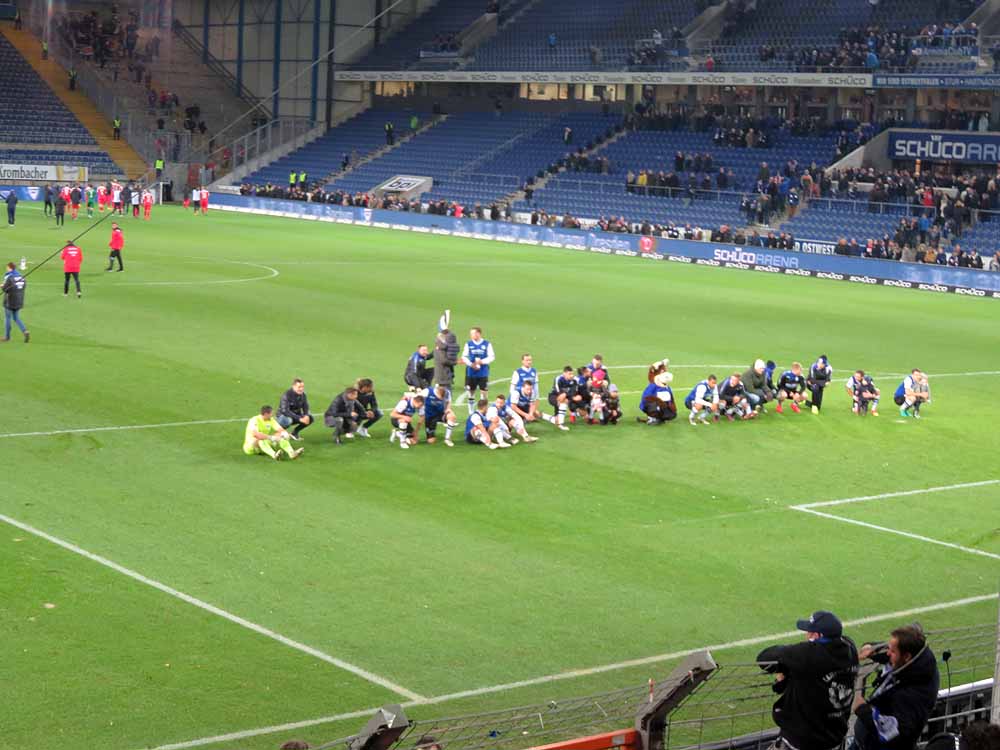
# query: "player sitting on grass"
[791,385]
[265,435]
[437,408]
[598,397]
[657,401]
[524,397]
[733,397]
[912,393]
[477,427]
[500,413]
[344,415]
[369,403]
[864,394]
[704,400]
[612,406]
[565,393]
[402,420]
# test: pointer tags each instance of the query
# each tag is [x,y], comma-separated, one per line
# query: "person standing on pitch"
[477,355]
[814,681]
[60,210]
[47,209]
[134,197]
[117,244]
[13,300]
[72,257]
[820,375]
[11,200]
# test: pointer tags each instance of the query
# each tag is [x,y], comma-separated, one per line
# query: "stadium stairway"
[131,163]
[436,120]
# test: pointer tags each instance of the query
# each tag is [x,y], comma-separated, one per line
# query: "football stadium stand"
[41,110]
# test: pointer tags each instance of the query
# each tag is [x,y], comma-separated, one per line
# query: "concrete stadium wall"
[242,35]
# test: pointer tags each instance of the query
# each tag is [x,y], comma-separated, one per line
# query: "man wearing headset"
[903,694]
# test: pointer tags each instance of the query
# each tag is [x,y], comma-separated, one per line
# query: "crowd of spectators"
[496,211]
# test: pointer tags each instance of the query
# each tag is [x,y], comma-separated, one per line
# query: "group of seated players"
[746,395]
[582,394]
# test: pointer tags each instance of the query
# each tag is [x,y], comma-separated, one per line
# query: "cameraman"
[903,694]
[815,683]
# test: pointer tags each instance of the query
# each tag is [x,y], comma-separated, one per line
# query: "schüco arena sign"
[972,148]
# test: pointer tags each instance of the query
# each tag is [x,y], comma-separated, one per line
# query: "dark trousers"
[115,255]
[369,422]
[341,425]
[10,215]
[76,278]
[817,396]
[48,208]
[60,218]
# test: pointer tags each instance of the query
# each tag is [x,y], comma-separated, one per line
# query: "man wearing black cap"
[903,694]
[815,684]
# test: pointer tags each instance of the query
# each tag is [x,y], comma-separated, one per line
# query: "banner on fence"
[948,81]
[821,80]
[46,173]
[821,265]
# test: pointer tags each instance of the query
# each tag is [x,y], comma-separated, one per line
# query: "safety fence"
[701,705]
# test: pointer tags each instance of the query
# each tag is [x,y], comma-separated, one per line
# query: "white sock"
[447,432]
[468,399]
[549,418]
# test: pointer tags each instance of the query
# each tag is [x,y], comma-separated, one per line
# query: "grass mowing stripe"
[904,493]
[756,640]
[260,629]
[898,532]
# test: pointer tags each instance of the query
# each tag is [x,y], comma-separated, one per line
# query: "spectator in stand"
[815,683]
[553,40]
[980,735]
[903,695]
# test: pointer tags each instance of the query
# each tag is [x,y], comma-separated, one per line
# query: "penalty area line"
[116,428]
[754,641]
[219,612]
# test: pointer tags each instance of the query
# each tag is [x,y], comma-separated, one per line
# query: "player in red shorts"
[204,200]
[102,197]
[147,204]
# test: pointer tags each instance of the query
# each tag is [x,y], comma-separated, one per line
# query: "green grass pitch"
[445,570]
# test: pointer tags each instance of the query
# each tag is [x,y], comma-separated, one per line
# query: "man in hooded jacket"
[815,684]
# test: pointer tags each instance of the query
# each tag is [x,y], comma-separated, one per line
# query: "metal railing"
[250,148]
[217,67]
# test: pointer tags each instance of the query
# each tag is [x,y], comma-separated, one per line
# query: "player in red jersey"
[117,244]
[204,200]
[147,204]
[72,257]
[102,197]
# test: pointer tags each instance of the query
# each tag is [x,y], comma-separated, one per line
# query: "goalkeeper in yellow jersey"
[265,435]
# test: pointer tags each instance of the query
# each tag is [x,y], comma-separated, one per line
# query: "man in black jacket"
[815,684]
[369,405]
[13,300]
[904,693]
[344,414]
[293,409]
[11,201]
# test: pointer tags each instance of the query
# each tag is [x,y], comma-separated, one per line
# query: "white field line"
[272,273]
[897,532]
[259,629]
[884,495]
[115,428]
[571,674]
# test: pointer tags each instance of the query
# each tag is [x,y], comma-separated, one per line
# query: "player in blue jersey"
[703,400]
[565,394]
[402,417]
[437,409]
[477,427]
[864,394]
[791,385]
[477,355]
[505,421]
[820,376]
[734,399]
[912,393]
[524,374]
